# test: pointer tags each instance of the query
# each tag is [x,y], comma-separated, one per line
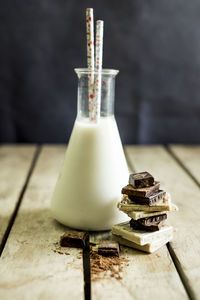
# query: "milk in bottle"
[94,168]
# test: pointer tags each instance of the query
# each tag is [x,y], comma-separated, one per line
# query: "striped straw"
[90,58]
[98,69]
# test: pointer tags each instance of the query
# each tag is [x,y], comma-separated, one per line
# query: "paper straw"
[98,69]
[99,45]
[90,58]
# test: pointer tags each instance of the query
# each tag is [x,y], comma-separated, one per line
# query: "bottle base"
[98,227]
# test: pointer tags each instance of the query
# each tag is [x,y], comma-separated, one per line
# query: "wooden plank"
[15,162]
[29,268]
[189,157]
[145,277]
[185,247]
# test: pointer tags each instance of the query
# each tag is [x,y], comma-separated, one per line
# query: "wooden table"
[30,269]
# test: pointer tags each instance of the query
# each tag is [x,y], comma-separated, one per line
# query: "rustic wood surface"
[140,278]
[189,156]
[185,247]
[15,162]
[29,267]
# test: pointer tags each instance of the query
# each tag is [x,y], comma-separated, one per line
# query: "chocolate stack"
[147,206]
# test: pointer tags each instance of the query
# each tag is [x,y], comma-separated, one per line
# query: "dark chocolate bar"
[153,223]
[141,192]
[151,200]
[147,228]
[142,179]
[152,220]
[108,248]
[74,239]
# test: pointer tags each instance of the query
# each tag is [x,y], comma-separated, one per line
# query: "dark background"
[154,44]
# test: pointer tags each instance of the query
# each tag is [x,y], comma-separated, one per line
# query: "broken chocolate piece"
[142,179]
[149,224]
[151,200]
[74,239]
[141,192]
[108,248]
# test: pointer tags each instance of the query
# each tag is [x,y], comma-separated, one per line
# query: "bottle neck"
[107,92]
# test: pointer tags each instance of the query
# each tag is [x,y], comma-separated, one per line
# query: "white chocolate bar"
[137,207]
[149,248]
[141,237]
[135,215]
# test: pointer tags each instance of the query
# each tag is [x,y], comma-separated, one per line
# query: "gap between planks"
[87,270]
[14,214]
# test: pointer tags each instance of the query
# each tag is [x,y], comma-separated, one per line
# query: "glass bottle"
[94,168]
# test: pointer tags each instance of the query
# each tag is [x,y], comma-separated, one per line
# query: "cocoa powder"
[105,267]
[59,250]
[102,267]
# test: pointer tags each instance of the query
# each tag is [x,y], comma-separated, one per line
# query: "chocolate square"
[74,239]
[108,248]
[151,200]
[142,179]
[153,223]
[141,192]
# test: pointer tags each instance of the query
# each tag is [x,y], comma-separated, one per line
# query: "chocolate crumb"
[59,251]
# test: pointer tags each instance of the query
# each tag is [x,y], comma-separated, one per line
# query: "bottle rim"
[103,71]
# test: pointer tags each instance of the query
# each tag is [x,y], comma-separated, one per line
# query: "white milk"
[93,174]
